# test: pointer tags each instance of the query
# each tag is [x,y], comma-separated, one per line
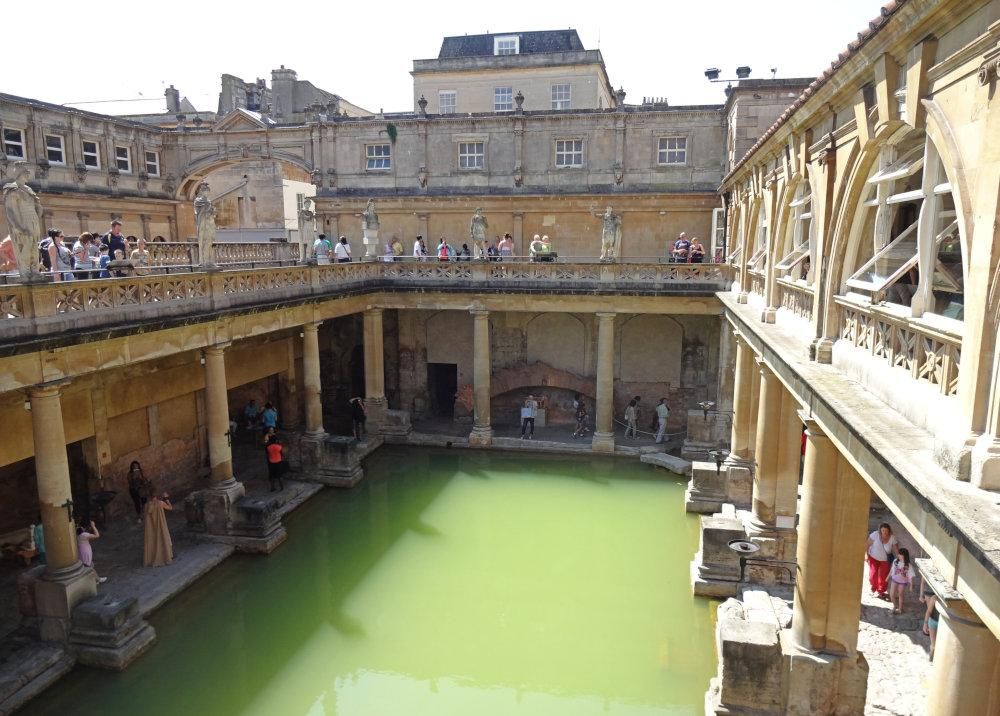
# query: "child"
[581,418]
[104,261]
[900,574]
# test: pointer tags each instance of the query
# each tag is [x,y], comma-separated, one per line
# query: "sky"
[364,52]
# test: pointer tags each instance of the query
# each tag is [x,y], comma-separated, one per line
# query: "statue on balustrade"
[477,232]
[24,219]
[369,229]
[204,219]
[611,234]
[307,229]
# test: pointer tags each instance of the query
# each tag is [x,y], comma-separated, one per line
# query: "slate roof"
[530,43]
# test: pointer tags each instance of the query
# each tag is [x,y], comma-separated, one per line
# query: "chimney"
[173,100]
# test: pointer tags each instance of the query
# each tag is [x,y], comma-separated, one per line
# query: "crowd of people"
[632,415]
[687,251]
[91,255]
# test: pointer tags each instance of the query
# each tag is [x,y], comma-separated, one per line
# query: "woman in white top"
[60,257]
[342,251]
[419,249]
[321,250]
[882,547]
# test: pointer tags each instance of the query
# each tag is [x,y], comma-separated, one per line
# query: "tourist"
[662,413]
[8,259]
[140,258]
[84,261]
[39,537]
[492,252]
[138,488]
[27,550]
[84,536]
[342,251]
[251,413]
[419,249]
[697,251]
[388,255]
[528,412]
[900,575]
[442,250]
[930,617]
[506,247]
[103,260]
[116,242]
[638,408]
[465,254]
[581,416]
[358,416]
[321,250]
[269,416]
[882,546]
[276,464]
[397,248]
[679,252]
[266,438]
[157,547]
[56,256]
[631,415]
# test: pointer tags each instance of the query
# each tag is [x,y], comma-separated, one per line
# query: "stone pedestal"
[332,460]
[371,244]
[822,684]
[109,633]
[223,513]
[715,570]
[706,433]
[396,426]
[57,592]
[710,488]
[751,668]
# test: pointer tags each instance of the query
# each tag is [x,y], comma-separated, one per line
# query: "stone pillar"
[821,646]
[517,233]
[312,382]
[965,678]
[288,390]
[482,431]
[789,463]
[604,428]
[767,437]
[66,582]
[374,369]
[742,389]
[220,451]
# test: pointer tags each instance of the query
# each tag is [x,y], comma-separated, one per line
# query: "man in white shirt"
[419,250]
[662,413]
[528,413]
[321,250]
[342,251]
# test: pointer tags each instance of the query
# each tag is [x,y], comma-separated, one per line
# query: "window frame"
[503,106]
[481,154]
[663,153]
[96,154]
[500,39]
[127,159]
[21,143]
[371,157]
[61,162]
[572,152]
[562,103]
[156,162]
[454,103]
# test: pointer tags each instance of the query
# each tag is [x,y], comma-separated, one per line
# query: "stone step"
[27,670]
[673,464]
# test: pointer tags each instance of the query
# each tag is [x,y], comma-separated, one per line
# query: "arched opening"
[798,243]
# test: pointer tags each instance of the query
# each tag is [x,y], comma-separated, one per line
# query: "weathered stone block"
[819,683]
[715,570]
[706,490]
[109,633]
[750,666]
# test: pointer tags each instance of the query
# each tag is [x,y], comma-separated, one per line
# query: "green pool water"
[448,582]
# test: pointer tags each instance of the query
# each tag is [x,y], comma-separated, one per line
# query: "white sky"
[113,49]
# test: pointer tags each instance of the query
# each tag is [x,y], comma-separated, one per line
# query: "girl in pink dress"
[83,547]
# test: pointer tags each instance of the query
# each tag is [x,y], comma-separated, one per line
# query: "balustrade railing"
[927,353]
[796,298]
[756,280]
[185,254]
[30,310]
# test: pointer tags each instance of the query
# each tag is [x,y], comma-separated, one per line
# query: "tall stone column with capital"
[311,380]
[482,430]
[66,582]
[374,369]
[220,451]
[820,648]
[604,427]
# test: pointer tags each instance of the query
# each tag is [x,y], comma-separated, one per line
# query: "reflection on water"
[446,583]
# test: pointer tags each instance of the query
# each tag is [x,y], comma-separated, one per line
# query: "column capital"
[374,311]
[48,388]
[217,348]
[479,312]
[312,326]
[812,427]
[765,369]
[606,315]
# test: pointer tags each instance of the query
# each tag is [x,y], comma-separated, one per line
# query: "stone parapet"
[109,633]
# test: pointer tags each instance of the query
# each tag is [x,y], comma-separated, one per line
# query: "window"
[672,150]
[447,101]
[153,164]
[758,261]
[718,233]
[509,45]
[560,97]
[503,99]
[798,262]
[569,152]
[471,155]
[123,159]
[379,157]
[91,157]
[13,143]
[54,150]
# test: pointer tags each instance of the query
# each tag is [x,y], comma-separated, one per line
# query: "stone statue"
[24,218]
[611,235]
[204,219]
[307,228]
[369,229]
[477,232]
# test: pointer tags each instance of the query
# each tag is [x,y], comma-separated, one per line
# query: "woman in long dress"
[158,549]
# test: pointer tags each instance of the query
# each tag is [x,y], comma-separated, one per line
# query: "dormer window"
[506,45]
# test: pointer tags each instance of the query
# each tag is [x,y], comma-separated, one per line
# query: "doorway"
[442,386]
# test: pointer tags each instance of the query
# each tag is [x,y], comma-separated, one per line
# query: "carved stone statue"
[611,234]
[307,228]
[369,229]
[204,219]
[24,217]
[477,232]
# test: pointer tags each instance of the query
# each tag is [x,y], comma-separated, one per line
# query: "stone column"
[288,390]
[789,440]
[742,389]
[374,368]
[220,451]
[765,480]
[965,678]
[311,379]
[604,428]
[66,582]
[821,646]
[517,233]
[482,431]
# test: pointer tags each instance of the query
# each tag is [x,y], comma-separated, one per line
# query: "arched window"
[758,261]
[798,262]
[910,228]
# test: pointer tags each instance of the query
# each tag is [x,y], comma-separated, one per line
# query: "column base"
[333,460]
[706,490]
[738,483]
[56,595]
[768,315]
[109,634]
[777,544]
[603,442]
[742,297]
[821,683]
[985,470]
[715,569]
[397,426]
[821,350]
[481,436]
[375,410]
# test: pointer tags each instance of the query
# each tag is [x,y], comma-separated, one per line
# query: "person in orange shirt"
[275,463]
